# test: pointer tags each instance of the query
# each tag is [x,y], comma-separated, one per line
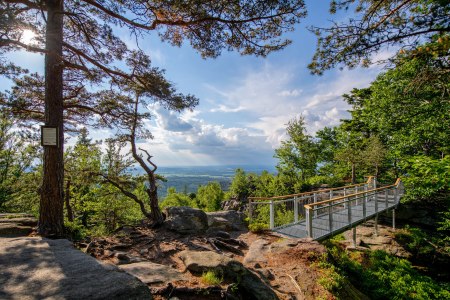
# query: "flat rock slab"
[151,273]
[38,268]
[14,230]
[257,253]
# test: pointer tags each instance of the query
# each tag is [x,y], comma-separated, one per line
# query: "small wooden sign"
[49,136]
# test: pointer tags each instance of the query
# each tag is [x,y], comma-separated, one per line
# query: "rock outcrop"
[15,225]
[251,285]
[186,220]
[38,268]
[226,220]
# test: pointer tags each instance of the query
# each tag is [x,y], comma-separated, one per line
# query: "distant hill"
[188,179]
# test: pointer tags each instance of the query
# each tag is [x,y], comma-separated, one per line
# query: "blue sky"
[245,102]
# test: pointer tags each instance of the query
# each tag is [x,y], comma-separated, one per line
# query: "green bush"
[384,276]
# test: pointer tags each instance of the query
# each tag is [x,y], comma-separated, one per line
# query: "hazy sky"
[245,102]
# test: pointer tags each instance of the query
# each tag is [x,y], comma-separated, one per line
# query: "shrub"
[212,277]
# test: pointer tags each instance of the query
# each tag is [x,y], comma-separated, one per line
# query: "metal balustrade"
[319,214]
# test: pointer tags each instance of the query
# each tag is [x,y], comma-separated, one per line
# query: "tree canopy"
[377,25]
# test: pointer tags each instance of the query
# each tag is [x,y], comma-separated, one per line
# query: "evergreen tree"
[80,47]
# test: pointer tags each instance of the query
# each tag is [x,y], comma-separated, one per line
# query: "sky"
[245,101]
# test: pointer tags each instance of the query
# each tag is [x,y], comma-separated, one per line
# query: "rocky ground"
[171,259]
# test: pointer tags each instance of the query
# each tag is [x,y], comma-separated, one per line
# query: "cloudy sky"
[245,102]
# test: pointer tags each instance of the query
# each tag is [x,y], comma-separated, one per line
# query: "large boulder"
[226,220]
[186,220]
[38,268]
[251,286]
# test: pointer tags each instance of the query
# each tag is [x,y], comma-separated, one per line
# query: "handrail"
[310,193]
[309,206]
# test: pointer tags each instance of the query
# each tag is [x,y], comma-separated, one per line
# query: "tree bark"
[67,201]
[51,220]
[353,173]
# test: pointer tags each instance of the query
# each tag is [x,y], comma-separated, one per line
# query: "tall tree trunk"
[67,201]
[152,192]
[51,220]
[353,173]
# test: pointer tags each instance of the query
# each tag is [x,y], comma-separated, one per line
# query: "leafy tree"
[327,143]
[350,154]
[374,154]
[239,185]
[176,199]
[79,44]
[210,196]
[298,154]
[378,24]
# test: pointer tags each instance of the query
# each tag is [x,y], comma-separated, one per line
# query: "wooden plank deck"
[340,219]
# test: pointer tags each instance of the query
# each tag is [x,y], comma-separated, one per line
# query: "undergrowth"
[379,275]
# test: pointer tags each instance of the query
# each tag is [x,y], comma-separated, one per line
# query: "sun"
[27,37]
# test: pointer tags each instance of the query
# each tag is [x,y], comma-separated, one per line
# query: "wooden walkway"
[341,219]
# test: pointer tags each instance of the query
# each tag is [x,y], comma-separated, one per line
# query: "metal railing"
[327,216]
[281,211]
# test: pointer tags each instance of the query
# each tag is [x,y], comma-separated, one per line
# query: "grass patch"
[212,277]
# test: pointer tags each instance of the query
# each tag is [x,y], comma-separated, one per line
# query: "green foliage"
[210,196]
[376,26]
[212,277]
[415,241]
[330,277]
[258,226]
[299,153]
[384,276]
[239,187]
[427,176]
[177,199]
[17,153]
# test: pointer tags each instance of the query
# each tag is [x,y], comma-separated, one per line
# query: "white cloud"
[270,110]
[214,144]
[169,120]
[290,93]
[226,109]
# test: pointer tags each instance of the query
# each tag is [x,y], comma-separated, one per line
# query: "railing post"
[272,215]
[309,227]
[331,194]
[393,219]
[364,205]
[386,198]
[250,209]
[315,200]
[395,195]
[376,224]
[349,212]
[345,203]
[365,193]
[330,217]
[354,237]
[356,192]
[295,210]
